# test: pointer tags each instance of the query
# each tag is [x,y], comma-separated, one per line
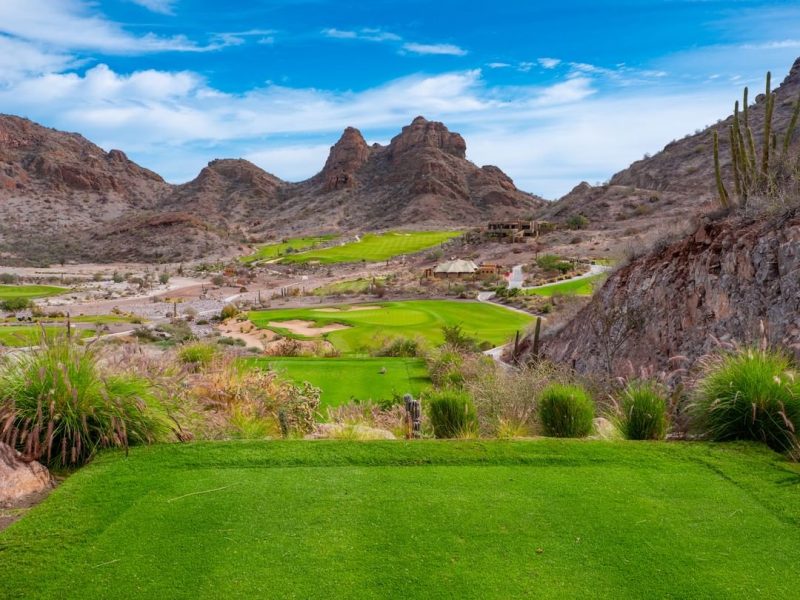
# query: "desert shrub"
[247,402]
[506,400]
[163,278]
[228,312]
[577,222]
[749,394]
[383,415]
[8,278]
[445,367]
[643,411]
[58,407]
[455,337]
[197,356]
[15,304]
[399,346]
[566,410]
[230,341]
[551,262]
[452,414]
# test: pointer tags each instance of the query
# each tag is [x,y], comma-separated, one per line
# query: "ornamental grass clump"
[58,407]
[749,394]
[197,356]
[452,415]
[566,411]
[643,411]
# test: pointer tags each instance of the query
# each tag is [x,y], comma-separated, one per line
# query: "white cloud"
[76,25]
[549,63]
[498,65]
[443,49]
[547,138]
[367,34]
[165,7]
[19,59]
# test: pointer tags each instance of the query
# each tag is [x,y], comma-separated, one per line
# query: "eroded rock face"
[729,280]
[346,158]
[20,479]
[422,133]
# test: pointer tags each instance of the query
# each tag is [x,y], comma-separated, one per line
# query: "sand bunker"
[349,309]
[307,328]
[247,332]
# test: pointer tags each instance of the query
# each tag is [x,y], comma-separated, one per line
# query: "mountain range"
[63,198]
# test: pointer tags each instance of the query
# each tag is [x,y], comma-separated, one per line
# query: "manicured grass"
[351,286]
[344,379]
[270,251]
[423,318]
[8,292]
[20,336]
[376,247]
[432,519]
[577,287]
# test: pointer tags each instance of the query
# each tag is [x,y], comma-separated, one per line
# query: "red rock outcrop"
[727,280]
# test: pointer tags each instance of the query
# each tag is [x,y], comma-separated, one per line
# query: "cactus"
[723,193]
[754,174]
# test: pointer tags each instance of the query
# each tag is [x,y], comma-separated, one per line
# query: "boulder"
[19,478]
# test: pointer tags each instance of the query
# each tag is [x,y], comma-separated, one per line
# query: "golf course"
[8,292]
[583,286]
[375,379]
[272,251]
[374,247]
[434,519]
[360,325]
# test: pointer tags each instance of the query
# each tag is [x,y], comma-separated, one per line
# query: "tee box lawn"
[374,247]
[414,318]
[342,380]
[422,519]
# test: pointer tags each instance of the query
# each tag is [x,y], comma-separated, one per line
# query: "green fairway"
[376,247]
[21,336]
[270,251]
[425,519]
[7,292]
[424,318]
[344,379]
[576,287]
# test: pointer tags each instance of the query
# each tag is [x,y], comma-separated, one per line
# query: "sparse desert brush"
[59,407]
[642,411]
[238,395]
[566,410]
[228,312]
[749,394]
[506,400]
[391,418]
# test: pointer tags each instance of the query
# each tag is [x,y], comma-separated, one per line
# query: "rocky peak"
[345,159]
[423,134]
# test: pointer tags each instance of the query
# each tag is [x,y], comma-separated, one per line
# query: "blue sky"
[552,92]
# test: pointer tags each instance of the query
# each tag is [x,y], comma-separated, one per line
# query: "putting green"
[414,318]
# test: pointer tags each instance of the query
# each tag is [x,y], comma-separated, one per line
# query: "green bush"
[15,304]
[566,411]
[551,262]
[577,222]
[455,336]
[228,312]
[643,411]
[452,414]
[399,347]
[749,394]
[197,356]
[56,406]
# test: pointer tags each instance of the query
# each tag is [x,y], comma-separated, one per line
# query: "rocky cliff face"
[727,280]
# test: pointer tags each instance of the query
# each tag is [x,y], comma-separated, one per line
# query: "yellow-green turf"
[375,247]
